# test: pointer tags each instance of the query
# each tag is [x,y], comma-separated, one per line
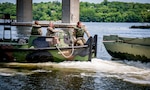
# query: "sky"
[91,1]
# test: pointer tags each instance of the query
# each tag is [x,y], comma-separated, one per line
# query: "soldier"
[51,30]
[36,29]
[52,33]
[79,31]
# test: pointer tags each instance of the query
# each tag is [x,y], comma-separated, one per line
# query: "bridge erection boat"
[128,48]
[39,48]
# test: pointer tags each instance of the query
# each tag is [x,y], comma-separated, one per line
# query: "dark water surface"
[99,74]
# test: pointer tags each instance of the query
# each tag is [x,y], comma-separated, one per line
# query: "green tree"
[95,12]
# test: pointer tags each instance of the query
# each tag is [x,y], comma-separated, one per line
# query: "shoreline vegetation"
[89,12]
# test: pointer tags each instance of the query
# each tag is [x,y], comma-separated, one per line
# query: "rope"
[66,56]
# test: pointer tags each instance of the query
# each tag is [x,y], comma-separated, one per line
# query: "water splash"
[133,72]
[115,69]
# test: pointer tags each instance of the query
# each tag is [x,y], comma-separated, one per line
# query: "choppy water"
[95,75]
[99,74]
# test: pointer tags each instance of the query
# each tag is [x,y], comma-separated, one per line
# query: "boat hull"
[123,48]
[38,50]
[45,54]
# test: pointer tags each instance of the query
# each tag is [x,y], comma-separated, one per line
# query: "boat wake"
[133,72]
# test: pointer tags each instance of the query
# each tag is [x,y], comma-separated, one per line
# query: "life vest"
[35,30]
[79,32]
[50,33]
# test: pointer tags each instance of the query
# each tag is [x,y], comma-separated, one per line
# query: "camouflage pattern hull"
[128,48]
[43,54]
[14,52]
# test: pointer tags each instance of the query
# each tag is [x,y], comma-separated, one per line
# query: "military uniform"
[51,32]
[36,30]
[79,35]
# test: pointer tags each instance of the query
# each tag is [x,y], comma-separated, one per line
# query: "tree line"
[89,12]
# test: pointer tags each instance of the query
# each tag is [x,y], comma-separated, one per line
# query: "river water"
[100,74]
